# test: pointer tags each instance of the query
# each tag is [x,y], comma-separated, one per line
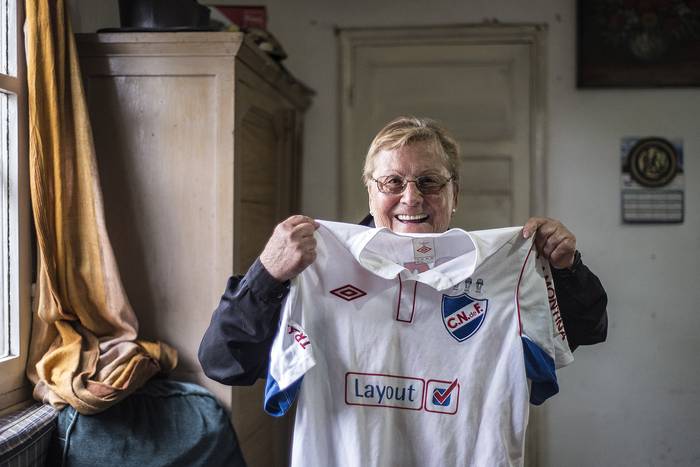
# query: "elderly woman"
[412,177]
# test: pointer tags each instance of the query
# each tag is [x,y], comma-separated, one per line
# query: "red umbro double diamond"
[424,249]
[348,292]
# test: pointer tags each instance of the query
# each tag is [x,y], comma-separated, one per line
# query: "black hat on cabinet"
[163,15]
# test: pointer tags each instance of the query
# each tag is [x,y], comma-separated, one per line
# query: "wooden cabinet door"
[164,207]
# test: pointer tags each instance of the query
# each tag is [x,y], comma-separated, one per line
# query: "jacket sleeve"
[582,303]
[235,349]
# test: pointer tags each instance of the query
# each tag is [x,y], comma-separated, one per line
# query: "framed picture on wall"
[638,43]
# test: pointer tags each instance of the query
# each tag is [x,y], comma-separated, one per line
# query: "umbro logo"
[424,249]
[348,292]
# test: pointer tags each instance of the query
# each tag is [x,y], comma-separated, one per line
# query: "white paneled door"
[483,83]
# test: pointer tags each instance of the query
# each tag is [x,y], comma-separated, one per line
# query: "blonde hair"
[404,131]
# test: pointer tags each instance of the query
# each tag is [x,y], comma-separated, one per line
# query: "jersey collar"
[372,247]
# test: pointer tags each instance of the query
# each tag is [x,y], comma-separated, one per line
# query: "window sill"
[15,399]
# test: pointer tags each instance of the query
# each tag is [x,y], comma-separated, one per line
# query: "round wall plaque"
[653,162]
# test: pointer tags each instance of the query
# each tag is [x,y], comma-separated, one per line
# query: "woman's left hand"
[552,240]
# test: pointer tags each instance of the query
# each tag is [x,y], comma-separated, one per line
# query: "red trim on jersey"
[413,307]
[517,290]
[398,306]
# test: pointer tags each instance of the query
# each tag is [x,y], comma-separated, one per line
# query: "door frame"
[534,35]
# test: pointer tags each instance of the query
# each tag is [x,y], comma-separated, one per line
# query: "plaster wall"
[634,400]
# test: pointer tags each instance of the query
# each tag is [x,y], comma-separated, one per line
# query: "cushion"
[25,436]
[164,423]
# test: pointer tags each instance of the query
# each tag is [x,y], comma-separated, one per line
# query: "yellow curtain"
[84,348]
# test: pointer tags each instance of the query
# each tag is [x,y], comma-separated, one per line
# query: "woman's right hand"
[291,248]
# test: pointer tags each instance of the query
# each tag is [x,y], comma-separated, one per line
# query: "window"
[14,206]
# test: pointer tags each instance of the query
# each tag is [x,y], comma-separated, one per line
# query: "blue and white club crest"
[463,315]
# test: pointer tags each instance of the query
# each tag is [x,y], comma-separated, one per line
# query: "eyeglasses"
[426,184]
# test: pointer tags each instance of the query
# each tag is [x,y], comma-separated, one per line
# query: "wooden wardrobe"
[198,141]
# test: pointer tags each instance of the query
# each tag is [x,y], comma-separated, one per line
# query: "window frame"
[14,386]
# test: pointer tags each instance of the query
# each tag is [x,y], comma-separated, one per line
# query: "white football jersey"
[416,350]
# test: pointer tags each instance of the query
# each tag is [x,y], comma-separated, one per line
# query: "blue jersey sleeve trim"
[277,401]
[540,370]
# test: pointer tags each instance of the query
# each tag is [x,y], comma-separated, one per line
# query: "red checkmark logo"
[441,397]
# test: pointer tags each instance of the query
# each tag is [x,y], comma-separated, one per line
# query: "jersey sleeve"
[291,356]
[545,348]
